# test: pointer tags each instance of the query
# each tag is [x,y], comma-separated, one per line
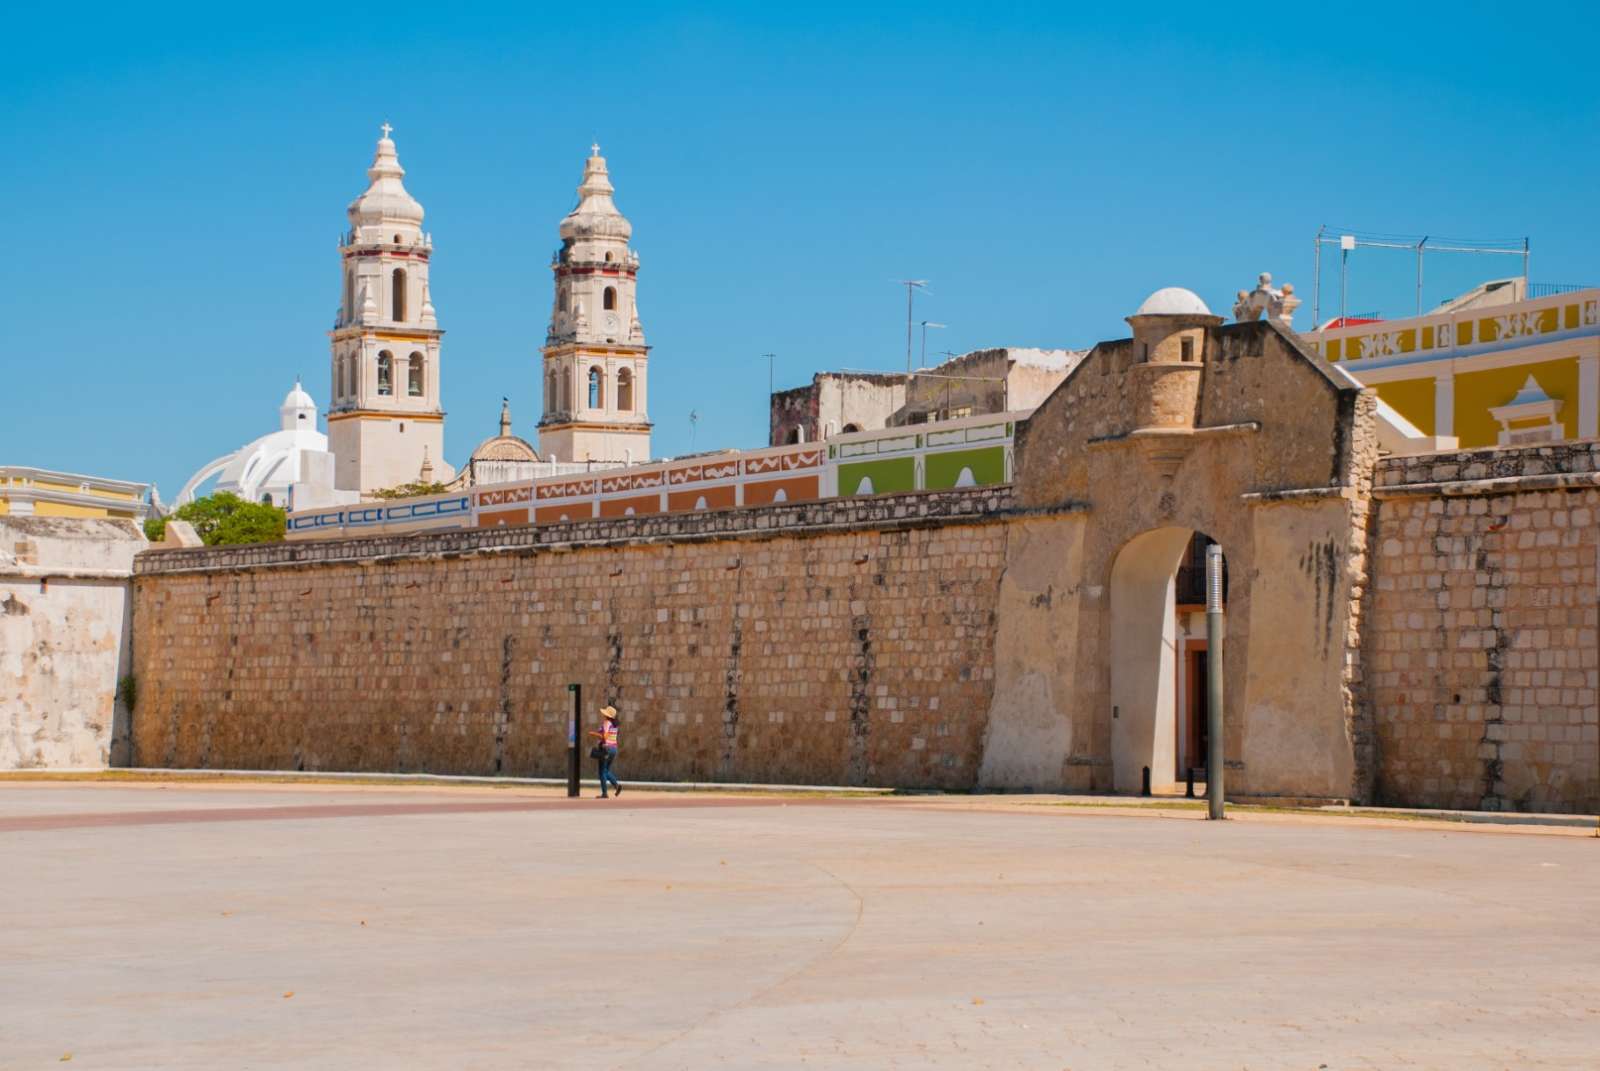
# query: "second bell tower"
[595,359]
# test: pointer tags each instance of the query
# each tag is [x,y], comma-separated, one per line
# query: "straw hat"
[608,712]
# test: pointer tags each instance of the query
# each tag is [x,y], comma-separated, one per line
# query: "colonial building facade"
[596,380]
[386,419]
[1503,365]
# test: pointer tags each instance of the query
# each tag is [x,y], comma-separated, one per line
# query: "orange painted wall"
[716,498]
[795,489]
[640,504]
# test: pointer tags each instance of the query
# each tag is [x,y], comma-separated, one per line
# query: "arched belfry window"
[414,379]
[385,372]
[399,295]
[566,390]
[610,297]
[338,368]
[597,389]
[625,390]
[550,395]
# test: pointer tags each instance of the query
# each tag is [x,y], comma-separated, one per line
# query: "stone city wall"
[1482,642]
[843,642]
[63,640]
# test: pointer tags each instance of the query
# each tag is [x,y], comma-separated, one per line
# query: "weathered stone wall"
[839,642]
[1482,649]
[1273,462]
[63,640]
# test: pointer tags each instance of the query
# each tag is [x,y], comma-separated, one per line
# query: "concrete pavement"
[349,927]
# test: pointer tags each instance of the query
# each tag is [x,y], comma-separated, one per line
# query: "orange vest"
[608,732]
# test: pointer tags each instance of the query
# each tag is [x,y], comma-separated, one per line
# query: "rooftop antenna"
[1418,246]
[912,286]
[925,325]
[694,421]
[771,357]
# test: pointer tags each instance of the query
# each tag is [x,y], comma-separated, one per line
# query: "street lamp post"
[1214,752]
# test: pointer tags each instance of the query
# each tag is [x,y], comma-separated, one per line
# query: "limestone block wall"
[1481,648]
[64,586]
[843,642]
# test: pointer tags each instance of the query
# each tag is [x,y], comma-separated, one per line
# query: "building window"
[385,373]
[1188,349]
[414,376]
[608,258]
[609,298]
[550,392]
[625,390]
[566,391]
[851,429]
[796,435]
[338,373]
[597,389]
[398,297]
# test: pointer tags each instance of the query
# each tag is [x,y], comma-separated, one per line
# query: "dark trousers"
[608,757]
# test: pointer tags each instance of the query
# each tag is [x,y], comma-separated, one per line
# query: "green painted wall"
[891,474]
[988,465]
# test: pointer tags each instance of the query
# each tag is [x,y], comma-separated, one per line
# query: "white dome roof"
[297,399]
[596,215]
[386,201]
[1173,301]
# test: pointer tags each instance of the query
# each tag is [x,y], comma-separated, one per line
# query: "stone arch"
[1146,654]
[1244,435]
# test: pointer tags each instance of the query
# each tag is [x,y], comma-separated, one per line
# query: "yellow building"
[40,492]
[1494,367]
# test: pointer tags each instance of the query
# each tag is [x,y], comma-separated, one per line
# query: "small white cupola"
[297,410]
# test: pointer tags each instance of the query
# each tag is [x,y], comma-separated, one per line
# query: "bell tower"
[386,419]
[596,380]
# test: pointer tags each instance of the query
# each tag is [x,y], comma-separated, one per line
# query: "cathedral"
[386,420]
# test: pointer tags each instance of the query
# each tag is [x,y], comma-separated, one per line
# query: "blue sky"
[176,178]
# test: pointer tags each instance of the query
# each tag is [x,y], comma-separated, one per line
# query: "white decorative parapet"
[1463,332]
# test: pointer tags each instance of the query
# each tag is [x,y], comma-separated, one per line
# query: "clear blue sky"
[175,180]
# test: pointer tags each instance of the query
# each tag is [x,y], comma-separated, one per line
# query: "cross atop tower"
[594,149]
[386,128]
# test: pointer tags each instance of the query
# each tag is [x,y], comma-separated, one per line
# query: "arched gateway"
[1189,427]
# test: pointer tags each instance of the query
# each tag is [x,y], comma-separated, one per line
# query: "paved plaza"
[311,926]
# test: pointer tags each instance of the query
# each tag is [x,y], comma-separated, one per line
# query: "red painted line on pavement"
[288,813]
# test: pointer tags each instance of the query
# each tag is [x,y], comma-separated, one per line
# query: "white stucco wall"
[64,640]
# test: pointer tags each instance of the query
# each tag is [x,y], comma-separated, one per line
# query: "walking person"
[605,749]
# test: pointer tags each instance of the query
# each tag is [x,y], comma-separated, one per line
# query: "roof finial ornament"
[505,417]
[594,148]
[386,128]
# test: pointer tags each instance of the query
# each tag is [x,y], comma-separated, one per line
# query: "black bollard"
[1146,789]
[573,726]
[1189,777]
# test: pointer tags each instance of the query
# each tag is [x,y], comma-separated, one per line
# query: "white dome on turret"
[1173,301]
[386,201]
[298,410]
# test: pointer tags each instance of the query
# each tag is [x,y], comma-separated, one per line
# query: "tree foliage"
[224,519]
[414,489]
